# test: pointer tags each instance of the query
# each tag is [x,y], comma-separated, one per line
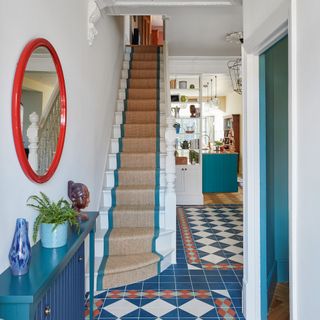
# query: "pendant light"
[214,102]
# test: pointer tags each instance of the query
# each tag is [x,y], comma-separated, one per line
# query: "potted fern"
[53,220]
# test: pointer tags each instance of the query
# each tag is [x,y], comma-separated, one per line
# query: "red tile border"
[188,243]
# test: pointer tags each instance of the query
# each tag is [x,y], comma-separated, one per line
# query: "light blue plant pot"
[53,238]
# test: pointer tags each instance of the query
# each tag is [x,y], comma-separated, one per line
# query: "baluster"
[32,134]
[48,136]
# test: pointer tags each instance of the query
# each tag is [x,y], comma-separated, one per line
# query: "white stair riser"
[125,74]
[118,119]
[116,134]
[120,106]
[103,222]
[109,178]
[126,65]
[163,243]
[129,49]
[112,161]
[122,95]
[124,84]
[107,198]
[127,57]
[168,261]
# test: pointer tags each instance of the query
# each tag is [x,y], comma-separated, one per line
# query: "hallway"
[206,282]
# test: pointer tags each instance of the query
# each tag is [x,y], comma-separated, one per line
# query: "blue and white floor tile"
[206,282]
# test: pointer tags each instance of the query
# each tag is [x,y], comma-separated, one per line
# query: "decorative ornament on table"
[80,197]
[20,251]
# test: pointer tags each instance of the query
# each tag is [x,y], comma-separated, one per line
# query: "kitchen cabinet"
[220,172]
[188,185]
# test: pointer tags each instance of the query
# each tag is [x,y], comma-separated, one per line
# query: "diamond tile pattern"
[206,282]
[221,227]
[158,307]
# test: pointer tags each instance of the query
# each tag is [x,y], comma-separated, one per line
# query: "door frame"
[275,27]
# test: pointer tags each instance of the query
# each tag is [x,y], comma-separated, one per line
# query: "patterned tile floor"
[205,283]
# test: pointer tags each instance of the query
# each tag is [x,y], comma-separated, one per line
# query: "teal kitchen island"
[219,172]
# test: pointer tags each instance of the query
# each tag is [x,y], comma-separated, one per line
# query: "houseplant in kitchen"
[218,144]
[53,220]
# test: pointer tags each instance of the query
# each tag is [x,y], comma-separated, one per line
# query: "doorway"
[274,213]
[146,30]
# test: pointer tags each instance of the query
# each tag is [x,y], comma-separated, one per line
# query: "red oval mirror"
[39,110]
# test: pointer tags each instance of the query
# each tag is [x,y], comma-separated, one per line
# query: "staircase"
[133,241]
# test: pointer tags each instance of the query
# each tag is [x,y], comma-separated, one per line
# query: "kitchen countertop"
[210,152]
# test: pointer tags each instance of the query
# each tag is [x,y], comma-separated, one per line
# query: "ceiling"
[201,31]
[146,4]
[42,78]
[195,28]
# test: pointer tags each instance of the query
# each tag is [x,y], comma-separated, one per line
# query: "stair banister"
[170,138]
[33,138]
[43,135]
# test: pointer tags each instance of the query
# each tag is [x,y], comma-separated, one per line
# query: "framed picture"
[175,98]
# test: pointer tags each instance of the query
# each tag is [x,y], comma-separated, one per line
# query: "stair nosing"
[105,210]
[134,187]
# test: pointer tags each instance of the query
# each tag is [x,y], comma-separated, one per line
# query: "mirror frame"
[16,98]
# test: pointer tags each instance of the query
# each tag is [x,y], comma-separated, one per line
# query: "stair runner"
[129,244]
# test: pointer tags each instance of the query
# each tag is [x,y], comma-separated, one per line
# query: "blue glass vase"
[20,252]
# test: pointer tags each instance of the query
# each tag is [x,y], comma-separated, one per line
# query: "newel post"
[32,134]
[170,194]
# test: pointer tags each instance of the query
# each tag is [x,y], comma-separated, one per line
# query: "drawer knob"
[47,311]
[80,259]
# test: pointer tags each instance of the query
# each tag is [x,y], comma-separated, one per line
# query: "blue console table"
[54,287]
[219,172]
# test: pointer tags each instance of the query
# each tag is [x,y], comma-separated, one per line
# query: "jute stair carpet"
[129,243]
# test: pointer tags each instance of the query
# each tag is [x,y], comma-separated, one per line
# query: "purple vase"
[20,251]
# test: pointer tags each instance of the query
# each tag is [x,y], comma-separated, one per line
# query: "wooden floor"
[279,309]
[224,198]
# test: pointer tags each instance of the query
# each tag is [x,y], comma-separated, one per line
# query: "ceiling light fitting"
[214,101]
[235,73]
[235,37]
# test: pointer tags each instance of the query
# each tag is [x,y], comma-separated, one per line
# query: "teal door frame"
[274,238]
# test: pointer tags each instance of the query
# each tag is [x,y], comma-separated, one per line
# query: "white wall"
[264,22]
[92,79]
[234,106]
[306,83]
[304,175]
[257,12]
[261,19]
